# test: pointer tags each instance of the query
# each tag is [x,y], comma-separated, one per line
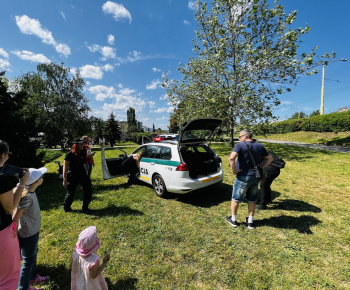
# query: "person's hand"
[65,183]
[236,171]
[24,178]
[106,258]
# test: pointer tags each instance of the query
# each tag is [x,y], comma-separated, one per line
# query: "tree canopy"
[57,100]
[112,129]
[245,55]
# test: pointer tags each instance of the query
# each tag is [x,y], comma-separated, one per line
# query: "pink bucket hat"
[88,242]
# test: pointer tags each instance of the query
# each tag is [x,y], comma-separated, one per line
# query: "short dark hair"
[4,147]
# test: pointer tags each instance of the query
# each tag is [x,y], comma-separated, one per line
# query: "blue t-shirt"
[244,161]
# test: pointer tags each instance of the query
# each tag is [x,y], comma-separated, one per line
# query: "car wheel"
[159,186]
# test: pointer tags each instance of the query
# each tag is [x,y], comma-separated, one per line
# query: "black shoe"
[87,211]
[262,206]
[250,225]
[67,209]
[230,222]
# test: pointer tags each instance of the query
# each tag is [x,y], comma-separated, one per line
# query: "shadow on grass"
[302,224]
[206,197]
[127,284]
[295,205]
[336,141]
[59,276]
[60,279]
[115,211]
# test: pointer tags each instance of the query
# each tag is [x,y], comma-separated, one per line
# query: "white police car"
[178,166]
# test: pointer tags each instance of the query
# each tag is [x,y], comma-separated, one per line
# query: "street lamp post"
[322,89]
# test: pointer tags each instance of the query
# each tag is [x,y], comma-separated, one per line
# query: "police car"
[179,165]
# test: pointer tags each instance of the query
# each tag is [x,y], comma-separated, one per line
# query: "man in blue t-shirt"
[246,184]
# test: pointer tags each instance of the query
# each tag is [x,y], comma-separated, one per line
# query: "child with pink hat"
[85,265]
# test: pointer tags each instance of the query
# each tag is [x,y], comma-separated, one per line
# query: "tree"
[17,127]
[131,118]
[173,124]
[298,115]
[315,113]
[154,128]
[57,100]
[112,130]
[245,56]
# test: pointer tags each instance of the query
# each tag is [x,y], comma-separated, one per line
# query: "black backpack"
[277,162]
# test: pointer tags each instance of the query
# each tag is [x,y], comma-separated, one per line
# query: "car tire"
[159,186]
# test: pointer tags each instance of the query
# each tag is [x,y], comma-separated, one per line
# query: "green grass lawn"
[183,242]
[326,138]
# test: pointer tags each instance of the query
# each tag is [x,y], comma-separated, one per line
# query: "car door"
[111,162]
[148,162]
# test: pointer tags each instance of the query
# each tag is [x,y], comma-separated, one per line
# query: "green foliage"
[112,130]
[137,137]
[245,56]
[315,113]
[298,115]
[131,117]
[335,122]
[57,102]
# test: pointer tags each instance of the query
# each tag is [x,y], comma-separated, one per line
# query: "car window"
[165,153]
[151,151]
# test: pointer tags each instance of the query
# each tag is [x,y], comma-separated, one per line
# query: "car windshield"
[196,134]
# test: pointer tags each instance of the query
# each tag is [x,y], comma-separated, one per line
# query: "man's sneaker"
[230,222]
[250,225]
[39,280]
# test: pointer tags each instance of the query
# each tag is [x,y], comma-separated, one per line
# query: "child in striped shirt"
[28,220]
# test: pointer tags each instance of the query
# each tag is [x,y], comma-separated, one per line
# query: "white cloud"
[286,103]
[33,27]
[73,70]
[28,55]
[4,64]
[108,67]
[187,22]
[153,85]
[117,10]
[64,16]
[156,69]
[151,104]
[110,39]
[108,52]
[4,53]
[102,92]
[91,71]
[164,97]
[170,110]
[160,110]
[192,5]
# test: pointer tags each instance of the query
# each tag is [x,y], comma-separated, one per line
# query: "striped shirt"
[30,222]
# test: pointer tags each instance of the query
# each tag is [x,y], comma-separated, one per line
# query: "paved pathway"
[315,146]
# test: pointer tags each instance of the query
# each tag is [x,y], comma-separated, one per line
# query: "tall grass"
[183,242]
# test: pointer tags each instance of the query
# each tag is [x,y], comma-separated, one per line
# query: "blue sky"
[123,48]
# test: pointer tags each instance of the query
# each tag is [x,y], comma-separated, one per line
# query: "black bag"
[260,173]
[277,162]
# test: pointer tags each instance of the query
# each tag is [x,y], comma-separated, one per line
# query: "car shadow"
[206,197]
[302,224]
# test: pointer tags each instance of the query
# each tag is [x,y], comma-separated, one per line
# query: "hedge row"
[335,122]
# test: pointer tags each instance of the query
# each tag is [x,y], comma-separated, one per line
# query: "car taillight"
[182,167]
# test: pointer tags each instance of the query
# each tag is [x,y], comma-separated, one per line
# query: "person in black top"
[10,260]
[74,173]
[273,171]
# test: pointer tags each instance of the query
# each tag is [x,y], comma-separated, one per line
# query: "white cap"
[35,174]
